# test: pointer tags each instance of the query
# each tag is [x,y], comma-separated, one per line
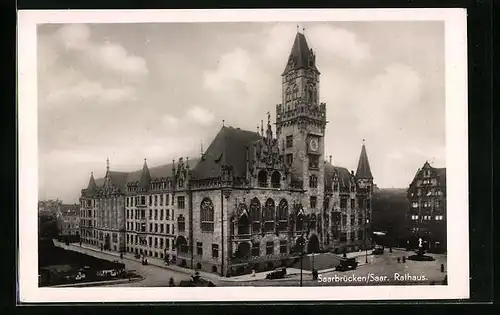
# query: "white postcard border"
[456,162]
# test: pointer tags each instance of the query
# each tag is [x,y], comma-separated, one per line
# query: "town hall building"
[252,200]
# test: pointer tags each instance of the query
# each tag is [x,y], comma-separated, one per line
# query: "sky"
[161,91]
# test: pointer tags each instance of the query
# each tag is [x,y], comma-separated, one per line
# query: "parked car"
[378,250]
[277,274]
[347,264]
[196,281]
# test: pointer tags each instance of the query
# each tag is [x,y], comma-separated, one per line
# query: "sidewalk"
[210,276]
[151,261]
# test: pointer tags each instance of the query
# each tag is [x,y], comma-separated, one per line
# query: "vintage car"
[279,273]
[378,250]
[346,264]
[196,281]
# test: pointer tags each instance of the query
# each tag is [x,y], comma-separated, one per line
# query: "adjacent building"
[68,217]
[427,213]
[252,200]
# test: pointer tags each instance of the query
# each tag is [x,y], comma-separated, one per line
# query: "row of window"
[156,228]
[428,193]
[156,200]
[158,215]
[428,217]
[426,204]
[156,242]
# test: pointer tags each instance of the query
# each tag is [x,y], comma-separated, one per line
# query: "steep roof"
[227,148]
[145,177]
[441,173]
[91,187]
[343,174]
[300,53]
[364,170]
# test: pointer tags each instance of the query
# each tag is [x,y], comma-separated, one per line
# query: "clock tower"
[300,126]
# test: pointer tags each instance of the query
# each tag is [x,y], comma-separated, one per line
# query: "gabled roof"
[364,170]
[343,174]
[227,148]
[439,173]
[300,53]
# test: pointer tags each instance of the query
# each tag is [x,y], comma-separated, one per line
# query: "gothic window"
[314,95]
[289,159]
[313,181]
[343,203]
[312,222]
[313,201]
[255,214]
[243,225]
[288,94]
[181,223]
[282,215]
[299,226]
[295,92]
[289,141]
[275,179]
[262,178]
[309,93]
[207,215]
[268,215]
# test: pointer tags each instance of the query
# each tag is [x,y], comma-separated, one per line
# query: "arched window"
[207,215]
[282,215]
[299,226]
[181,223]
[243,225]
[295,92]
[268,215]
[309,92]
[314,95]
[255,215]
[288,95]
[312,222]
[262,178]
[313,181]
[275,179]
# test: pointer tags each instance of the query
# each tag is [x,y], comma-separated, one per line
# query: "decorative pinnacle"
[223,122]
[107,163]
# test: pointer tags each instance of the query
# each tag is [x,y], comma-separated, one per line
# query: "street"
[379,267]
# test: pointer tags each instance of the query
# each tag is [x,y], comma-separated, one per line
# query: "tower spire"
[145,179]
[364,170]
[107,164]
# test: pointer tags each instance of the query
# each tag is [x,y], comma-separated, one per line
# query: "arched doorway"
[313,244]
[107,242]
[243,250]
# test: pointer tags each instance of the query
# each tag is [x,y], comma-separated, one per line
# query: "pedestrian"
[171,283]
[404,259]
[121,255]
[442,267]
[399,260]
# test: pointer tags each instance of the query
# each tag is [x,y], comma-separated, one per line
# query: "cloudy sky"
[158,91]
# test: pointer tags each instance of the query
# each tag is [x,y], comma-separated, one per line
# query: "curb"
[97,283]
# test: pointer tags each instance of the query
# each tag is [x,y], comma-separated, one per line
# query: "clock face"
[313,144]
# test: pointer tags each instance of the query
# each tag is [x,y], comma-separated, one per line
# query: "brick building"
[427,213]
[251,200]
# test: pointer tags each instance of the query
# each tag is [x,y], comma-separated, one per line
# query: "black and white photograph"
[243,150]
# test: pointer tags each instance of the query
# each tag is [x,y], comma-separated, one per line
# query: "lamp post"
[301,244]
[366,245]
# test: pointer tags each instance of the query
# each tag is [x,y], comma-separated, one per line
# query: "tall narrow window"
[269,213]
[289,141]
[181,223]
[282,215]
[255,215]
[313,181]
[207,215]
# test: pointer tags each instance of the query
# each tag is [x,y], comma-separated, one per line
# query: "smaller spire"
[258,129]
[107,164]
[262,127]
[223,121]
[297,28]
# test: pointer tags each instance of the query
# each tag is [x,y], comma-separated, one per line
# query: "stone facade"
[427,213]
[252,200]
